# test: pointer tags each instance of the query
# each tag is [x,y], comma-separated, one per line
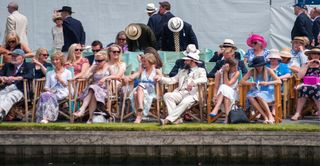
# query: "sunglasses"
[96,50]
[115,52]
[45,54]
[254,43]
[12,41]
[121,39]
[78,49]
[99,60]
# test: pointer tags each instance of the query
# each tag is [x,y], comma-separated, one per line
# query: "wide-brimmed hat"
[315,50]
[228,43]
[66,9]
[193,56]
[133,31]
[151,8]
[56,15]
[274,54]
[256,37]
[285,53]
[257,61]
[191,48]
[302,39]
[175,24]
[18,52]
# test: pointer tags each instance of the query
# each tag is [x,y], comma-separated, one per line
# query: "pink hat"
[256,37]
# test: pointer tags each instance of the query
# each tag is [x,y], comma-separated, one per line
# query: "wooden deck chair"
[38,89]
[243,89]
[112,100]
[154,109]
[23,103]
[78,85]
[286,96]
[210,104]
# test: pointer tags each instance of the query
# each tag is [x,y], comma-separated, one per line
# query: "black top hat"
[258,61]
[66,9]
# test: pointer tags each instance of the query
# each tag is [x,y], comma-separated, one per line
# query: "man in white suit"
[16,22]
[186,94]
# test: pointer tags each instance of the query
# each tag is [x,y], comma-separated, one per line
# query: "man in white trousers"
[186,95]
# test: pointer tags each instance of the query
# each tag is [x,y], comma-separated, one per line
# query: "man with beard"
[186,94]
[180,62]
[12,76]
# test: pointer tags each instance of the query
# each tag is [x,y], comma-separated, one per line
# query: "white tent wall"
[212,20]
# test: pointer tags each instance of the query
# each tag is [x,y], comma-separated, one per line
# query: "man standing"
[186,94]
[16,22]
[303,24]
[154,22]
[164,11]
[139,37]
[12,76]
[73,31]
[177,35]
[315,15]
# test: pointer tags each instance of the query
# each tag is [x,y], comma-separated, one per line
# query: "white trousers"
[177,103]
[9,96]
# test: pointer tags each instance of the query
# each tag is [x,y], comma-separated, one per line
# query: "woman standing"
[261,92]
[56,88]
[57,32]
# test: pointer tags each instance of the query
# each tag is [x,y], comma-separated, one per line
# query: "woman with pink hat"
[258,47]
[274,62]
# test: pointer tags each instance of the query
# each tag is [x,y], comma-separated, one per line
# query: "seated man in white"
[186,94]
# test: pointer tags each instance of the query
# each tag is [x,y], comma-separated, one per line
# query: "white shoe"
[44,121]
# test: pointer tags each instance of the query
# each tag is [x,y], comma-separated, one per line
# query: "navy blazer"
[219,64]
[165,18]
[26,71]
[180,64]
[73,32]
[217,57]
[186,35]
[147,39]
[315,29]
[154,24]
[302,27]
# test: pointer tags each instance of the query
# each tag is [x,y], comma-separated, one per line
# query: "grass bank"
[157,127]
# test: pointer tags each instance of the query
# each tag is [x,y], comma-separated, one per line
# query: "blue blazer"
[302,27]
[186,35]
[315,30]
[73,32]
[26,71]
[154,24]
[219,64]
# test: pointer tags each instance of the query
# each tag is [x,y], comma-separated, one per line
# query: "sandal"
[138,120]
[296,117]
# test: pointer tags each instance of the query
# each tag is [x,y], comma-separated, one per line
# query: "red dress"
[77,66]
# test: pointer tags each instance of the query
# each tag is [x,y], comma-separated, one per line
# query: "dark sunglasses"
[12,41]
[45,54]
[96,50]
[121,39]
[99,60]
[254,43]
[116,52]
[78,49]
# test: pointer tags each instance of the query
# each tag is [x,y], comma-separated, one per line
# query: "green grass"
[156,127]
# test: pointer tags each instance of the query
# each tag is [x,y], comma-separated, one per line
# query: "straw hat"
[302,39]
[228,43]
[191,48]
[315,50]
[175,24]
[133,31]
[274,54]
[193,56]
[151,8]
[285,53]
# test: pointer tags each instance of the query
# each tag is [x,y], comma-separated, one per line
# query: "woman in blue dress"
[262,87]
[142,96]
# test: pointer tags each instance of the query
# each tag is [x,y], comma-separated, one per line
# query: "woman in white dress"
[57,32]
[226,83]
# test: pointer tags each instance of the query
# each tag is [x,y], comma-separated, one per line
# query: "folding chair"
[78,85]
[38,89]
[112,106]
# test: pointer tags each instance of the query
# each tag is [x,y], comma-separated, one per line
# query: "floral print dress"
[311,91]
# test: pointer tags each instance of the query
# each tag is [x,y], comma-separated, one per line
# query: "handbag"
[237,115]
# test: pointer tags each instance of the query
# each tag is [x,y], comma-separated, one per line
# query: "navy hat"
[301,5]
[18,52]
[258,61]
[66,9]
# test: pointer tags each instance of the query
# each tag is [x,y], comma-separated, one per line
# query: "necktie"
[176,41]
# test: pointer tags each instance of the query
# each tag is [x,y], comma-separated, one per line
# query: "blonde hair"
[110,50]
[150,58]
[71,57]
[58,55]
[102,54]
[10,36]
[39,50]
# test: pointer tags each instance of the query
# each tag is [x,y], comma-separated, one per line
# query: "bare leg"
[300,103]
[318,106]
[218,104]
[140,97]
[92,106]
[139,104]
[265,107]
[226,102]
[257,106]
[85,104]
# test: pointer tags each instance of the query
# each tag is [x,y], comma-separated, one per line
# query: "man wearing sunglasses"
[96,46]
[12,77]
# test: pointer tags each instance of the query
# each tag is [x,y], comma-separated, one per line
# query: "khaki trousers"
[177,103]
